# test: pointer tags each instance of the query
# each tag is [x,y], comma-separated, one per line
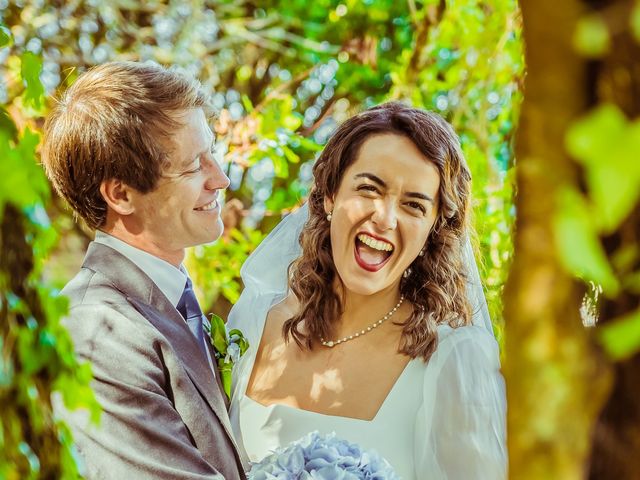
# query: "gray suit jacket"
[164,414]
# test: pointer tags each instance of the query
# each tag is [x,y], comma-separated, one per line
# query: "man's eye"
[196,169]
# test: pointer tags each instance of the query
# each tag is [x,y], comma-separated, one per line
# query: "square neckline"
[386,400]
[279,298]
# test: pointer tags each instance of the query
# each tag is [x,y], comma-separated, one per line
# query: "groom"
[130,149]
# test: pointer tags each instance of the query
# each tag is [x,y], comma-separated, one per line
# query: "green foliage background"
[283,75]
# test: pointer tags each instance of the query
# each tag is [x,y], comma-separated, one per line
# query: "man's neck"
[148,245]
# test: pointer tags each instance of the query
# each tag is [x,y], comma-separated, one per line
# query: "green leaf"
[621,337]
[280,165]
[218,334]
[246,102]
[7,125]
[579,247]
[22,181]
[225,370]
[591,37]
[243,343]
[30,70]
[607,145]
[291,156]
[292,122]
[5,36]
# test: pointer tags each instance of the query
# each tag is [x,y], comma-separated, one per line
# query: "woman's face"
[382,213]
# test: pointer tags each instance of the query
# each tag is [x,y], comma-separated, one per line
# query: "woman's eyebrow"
[379,181]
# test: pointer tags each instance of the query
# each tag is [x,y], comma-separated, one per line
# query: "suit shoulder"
[89,287]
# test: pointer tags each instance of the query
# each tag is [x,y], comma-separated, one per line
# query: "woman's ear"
[117,195]
[328,205]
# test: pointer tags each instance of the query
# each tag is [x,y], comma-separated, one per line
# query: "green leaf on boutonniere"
[218,334]
[242,342]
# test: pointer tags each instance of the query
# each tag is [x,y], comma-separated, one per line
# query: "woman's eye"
[367,188]
[417,206]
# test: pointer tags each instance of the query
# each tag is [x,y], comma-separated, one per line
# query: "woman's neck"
[361,311]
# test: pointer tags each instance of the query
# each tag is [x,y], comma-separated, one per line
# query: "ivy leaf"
[621,338]
[579,247]
[30,71]
[607,145]
[22,182]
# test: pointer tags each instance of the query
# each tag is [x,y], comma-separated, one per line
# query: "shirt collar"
[169,279]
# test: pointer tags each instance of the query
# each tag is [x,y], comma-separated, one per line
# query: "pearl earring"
[329,217]
[421,254]
[406,273]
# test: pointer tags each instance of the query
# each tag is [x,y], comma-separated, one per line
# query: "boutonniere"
[228,348]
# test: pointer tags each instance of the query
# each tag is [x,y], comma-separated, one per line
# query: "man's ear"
[328,205]
[117,195]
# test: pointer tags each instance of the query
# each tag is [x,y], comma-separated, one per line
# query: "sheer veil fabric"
[460,426]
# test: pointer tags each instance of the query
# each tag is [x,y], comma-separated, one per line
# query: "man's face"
[183,210]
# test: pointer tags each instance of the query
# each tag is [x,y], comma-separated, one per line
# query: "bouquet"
[318,457]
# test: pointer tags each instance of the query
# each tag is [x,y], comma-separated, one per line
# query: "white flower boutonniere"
[228,348]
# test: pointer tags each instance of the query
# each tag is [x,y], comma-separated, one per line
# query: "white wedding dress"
[444,419]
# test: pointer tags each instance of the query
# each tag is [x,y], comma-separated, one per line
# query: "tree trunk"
[556,379]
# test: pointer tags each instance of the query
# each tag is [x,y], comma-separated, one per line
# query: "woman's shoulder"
[250,314]
[469,343]
[281,311]
[466,333]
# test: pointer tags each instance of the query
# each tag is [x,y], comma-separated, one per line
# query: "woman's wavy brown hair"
[436,286]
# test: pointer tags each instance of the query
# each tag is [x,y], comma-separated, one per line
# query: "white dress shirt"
[168,278]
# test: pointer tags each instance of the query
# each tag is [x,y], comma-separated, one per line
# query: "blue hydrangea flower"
[322,457]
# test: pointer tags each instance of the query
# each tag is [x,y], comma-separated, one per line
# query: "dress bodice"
[443,419]
[390,432]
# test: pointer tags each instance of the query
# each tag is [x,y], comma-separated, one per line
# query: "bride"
[378,331]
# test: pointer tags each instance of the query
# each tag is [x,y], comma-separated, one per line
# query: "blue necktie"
[190,311]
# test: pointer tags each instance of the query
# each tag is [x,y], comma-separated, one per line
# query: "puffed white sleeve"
[461,425]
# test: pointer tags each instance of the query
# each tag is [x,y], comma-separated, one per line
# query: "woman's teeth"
[208,206]
[375,244]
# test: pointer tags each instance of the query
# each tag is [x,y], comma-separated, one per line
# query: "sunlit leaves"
[215,268]
[607,145]
[22,181]
[30,71]
[578,242]
[591,36]
[37,352]
[621,337]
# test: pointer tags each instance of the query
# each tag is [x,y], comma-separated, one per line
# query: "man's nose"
[216,178]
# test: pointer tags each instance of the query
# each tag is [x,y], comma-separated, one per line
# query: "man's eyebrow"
[381,182]
[187,163]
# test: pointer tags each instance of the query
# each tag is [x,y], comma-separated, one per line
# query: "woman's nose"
[385,216]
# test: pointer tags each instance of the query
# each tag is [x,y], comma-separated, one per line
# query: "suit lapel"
[146,297]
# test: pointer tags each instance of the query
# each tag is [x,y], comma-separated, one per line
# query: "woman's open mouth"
[372,253]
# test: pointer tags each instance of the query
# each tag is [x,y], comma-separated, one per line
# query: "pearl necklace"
[331,343]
